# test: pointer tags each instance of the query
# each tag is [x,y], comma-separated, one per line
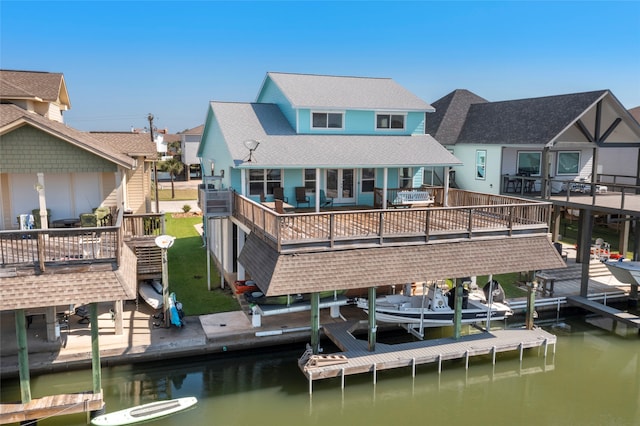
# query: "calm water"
[593,379]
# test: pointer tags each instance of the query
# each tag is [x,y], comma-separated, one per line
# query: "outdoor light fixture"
[251,145]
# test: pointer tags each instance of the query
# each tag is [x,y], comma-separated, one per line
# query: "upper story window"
[390,121]
[326,120]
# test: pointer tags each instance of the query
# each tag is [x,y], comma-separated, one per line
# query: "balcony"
[467,215]
[36,251]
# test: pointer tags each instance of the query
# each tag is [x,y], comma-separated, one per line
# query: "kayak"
[144,412]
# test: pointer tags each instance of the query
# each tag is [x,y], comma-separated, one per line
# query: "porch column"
[117,317]
[51,320]
[317,195]
[315,322]
[372,319]
[240,243]
[243,182]
[445,201]
[544,185]
[385,184]
[44,223]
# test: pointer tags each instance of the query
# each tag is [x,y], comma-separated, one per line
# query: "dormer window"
[326,120]
[390,121]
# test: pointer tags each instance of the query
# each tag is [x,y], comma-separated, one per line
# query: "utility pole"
[155,163]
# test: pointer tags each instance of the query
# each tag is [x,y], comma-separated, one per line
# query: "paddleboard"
[144,412]
[173,311]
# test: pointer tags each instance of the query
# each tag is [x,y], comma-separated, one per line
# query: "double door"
[341,185]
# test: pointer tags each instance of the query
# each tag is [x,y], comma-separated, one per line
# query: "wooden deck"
[468,215]
[50,406]
[360,360]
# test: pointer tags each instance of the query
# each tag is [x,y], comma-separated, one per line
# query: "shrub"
[186,208]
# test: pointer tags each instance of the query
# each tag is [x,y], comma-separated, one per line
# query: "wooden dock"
[360,360]
[606,311]
[50,406]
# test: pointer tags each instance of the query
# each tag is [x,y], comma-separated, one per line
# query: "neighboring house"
[53,174]
[74,171]
[189,142]
[502,142]
[361,142]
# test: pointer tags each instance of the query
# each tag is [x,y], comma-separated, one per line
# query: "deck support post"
[372,319]
[457,315]
[23,356]
[531,304]
[95,349]
[315,322]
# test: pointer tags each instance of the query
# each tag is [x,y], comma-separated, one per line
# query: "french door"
[341,185]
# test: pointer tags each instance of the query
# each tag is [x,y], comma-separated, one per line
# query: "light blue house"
[361,142]
[343,135]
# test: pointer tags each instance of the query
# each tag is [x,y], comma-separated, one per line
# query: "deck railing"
[63,246]
[331,229]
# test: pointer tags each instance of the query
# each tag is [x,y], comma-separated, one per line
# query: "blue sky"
[124,59]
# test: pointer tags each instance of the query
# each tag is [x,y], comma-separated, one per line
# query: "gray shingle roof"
[360,268]
[324,91]
[281,147]
[451,111]
[466,118]
[12,116]
[528,121]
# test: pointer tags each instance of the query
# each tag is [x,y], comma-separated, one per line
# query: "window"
[264,180]
[406,178]
[326,120]
[481,164]
[568,163]
[389,121]
[529,163]
[367,182]
[309,180]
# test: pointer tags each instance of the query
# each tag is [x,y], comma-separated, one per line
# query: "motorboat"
[625,271]
[434,308]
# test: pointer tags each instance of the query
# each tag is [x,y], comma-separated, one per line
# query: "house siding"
[138,198]
[273,95]
[357,122]
[29,150]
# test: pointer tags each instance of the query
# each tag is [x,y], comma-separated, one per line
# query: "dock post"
[310,383]
[342,378]
[372,319]
[375,373]
[23,356]
[439,363]
[531,304]
[95,349]
[457,315]
[493,350]
[466,359]
[315,322]
[413,367]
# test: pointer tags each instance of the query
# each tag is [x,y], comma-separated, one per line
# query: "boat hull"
[150,294]
[625,272]
[145,412]
[474,313]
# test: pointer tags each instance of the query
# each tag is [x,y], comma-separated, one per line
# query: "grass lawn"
[188,271]
[164,194]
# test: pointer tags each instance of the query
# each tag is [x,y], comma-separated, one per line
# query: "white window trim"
[484,151]
[304,180]
[311,126]
[528,152]
[371,179]
[389,129]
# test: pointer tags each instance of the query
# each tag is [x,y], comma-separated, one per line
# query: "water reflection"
[592,379]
